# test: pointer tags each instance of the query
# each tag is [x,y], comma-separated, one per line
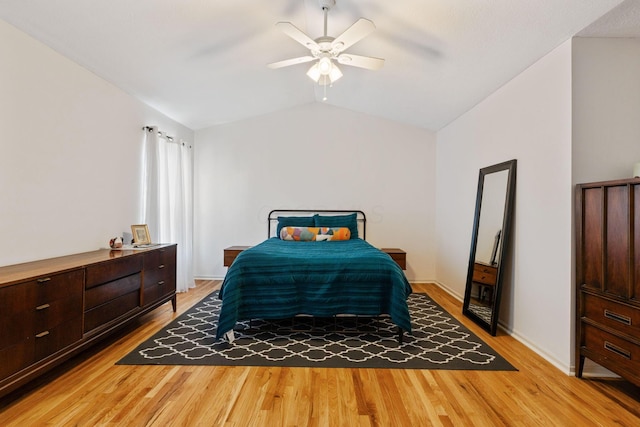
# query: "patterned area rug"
[437,341]
[482,311]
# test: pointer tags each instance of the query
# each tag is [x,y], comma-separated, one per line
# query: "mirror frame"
[504,248]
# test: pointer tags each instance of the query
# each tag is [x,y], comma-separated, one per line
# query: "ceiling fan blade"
[292,61]
[368,62]
[352,35]
[295,33]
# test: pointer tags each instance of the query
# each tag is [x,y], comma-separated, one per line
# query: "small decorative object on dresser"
[636,170]
[115,243]
[608,276]
[141,234]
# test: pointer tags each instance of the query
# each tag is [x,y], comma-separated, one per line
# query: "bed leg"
[400,335]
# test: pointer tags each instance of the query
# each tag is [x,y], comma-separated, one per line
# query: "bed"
[283,278]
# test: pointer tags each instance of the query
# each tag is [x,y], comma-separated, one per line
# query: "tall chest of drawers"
[608,276]
[52,309]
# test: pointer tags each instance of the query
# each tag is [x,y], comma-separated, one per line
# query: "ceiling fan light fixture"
[314,73]
[335,73]
[325,66]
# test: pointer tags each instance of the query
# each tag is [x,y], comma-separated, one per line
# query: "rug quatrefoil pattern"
[438,341]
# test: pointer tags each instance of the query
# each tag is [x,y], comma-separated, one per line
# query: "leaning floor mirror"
[490,244]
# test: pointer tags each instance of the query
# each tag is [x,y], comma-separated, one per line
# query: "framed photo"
[140,234]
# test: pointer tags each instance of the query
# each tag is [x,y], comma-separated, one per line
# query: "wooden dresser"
[608,276]
[52,309]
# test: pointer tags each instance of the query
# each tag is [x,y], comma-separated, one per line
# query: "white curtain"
[167,206]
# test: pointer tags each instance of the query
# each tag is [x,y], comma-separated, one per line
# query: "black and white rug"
[437,341]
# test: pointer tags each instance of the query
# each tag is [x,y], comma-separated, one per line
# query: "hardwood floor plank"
[320,397]
[91,389]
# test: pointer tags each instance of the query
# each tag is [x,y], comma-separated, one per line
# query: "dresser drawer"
[159,274]
[39,304]
[484,274]
[153,292]
[98,274]
[50,340]
[159,267]
[611,351]
[58,300]
[16,314]
[160,258]
[59,286]
[16,357]
[105,313]
[109,291]
[621,317]
[50,314]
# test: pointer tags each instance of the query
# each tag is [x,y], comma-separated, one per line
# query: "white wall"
[313,157]
[528,119]
[70,153]
[606,108]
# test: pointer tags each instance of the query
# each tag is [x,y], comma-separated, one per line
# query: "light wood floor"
[91,390]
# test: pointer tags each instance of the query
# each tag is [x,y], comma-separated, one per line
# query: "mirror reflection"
[489,243]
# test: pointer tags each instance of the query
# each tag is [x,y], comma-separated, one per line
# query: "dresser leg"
[174,303]
[580,367]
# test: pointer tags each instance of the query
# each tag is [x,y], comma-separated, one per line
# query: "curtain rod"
[150,128]
[168,137]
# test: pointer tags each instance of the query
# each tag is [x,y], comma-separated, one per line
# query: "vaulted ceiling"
[203,63]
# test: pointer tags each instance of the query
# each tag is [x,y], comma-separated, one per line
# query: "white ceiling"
[203,63]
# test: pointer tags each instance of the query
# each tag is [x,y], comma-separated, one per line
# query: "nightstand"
[398,255]
[231,253]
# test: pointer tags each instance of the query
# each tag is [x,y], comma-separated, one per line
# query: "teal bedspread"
[280,279]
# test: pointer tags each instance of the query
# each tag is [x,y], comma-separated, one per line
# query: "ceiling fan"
[326,49]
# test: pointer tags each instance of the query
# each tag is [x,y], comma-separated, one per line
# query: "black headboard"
[361,218]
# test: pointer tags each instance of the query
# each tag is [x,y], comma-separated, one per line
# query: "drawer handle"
[161,266]
[617,350]
[617,317]
[161,283]
[42,334]
[42,307]
[44,279]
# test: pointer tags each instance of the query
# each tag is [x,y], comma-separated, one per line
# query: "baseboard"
[448,290]
[208,278]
